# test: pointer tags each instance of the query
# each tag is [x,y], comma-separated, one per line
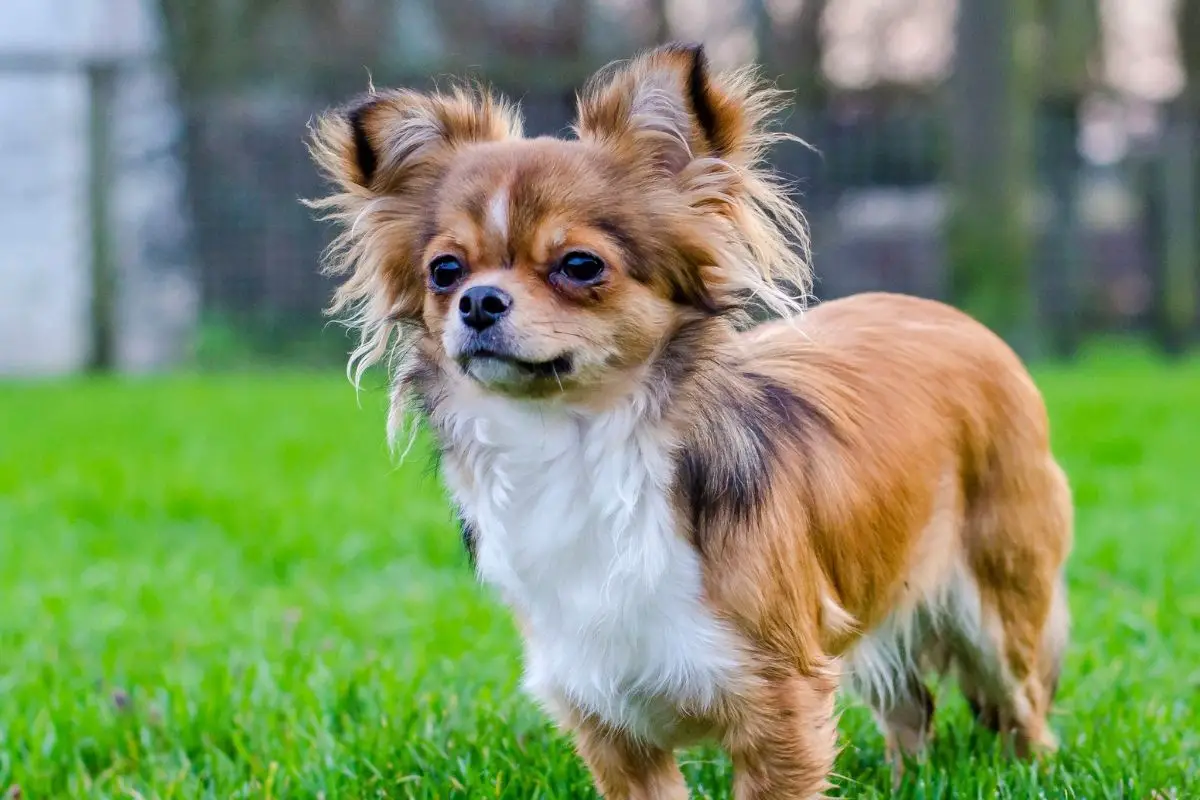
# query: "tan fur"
[919,391]
[869,487]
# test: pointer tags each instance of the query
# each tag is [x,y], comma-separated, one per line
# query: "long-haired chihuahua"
[701,525]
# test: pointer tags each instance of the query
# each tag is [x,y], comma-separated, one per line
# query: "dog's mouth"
[555,368]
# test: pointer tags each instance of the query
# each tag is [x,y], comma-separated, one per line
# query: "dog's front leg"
[784,740]
[625,769]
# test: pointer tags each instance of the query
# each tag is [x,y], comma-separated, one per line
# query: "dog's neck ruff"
[576,529]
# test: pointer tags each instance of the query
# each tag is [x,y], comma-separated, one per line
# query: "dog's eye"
[445,272]
[581,267]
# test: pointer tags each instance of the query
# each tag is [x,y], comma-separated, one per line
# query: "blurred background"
[1036,162]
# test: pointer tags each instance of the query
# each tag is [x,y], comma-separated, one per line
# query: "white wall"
[45,227]
[44,291]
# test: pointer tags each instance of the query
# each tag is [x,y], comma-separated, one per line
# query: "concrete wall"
[44,287]
[46,158]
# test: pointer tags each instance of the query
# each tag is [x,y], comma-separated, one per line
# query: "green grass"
[223,587]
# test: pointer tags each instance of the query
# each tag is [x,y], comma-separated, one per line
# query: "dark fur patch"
[428,230]
[684,291]
[423,382]
[699,98]
[470,539]
[364,152]
[682,357]
[626,242]
[725,471]
[986,714]
[928,706]
[697,296]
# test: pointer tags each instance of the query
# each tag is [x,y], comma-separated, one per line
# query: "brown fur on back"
[877,396]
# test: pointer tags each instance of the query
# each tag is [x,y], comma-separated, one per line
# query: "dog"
[703,526]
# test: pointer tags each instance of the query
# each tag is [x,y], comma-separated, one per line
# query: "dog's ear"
[385,155]
[668,104]
[381,138]
[665,113]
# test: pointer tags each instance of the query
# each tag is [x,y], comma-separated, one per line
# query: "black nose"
[482,306]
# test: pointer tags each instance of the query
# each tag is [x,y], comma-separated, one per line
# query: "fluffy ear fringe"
[382,155]
[721,130]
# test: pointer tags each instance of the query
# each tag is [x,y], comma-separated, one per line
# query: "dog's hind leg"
[886,676]
[907,723]
[1020,532]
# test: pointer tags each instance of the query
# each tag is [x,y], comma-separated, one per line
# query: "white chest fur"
[576,531]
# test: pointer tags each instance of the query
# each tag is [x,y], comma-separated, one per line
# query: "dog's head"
[558,267]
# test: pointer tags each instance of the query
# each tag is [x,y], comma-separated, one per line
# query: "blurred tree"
[227,43]
[524,44]
[1189,44]
[991,99]
[1180,185]
[101,175]
[298,53]
[190,32]
[660,25]
[793,49]
[1070,35]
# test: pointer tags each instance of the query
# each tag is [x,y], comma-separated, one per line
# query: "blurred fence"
[871,187]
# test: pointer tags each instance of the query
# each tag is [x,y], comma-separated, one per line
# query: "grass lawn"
[223,587]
